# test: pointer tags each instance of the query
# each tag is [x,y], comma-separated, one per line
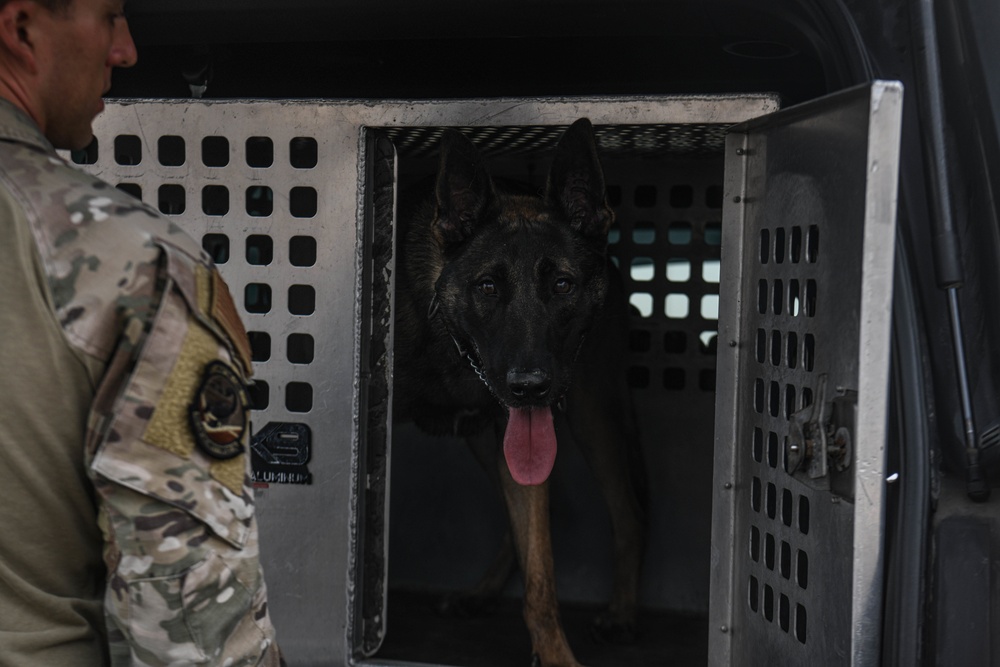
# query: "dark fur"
[506,301]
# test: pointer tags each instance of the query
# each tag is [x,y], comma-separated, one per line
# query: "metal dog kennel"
[758,262]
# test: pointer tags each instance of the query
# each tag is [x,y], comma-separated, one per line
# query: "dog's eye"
[562,286]
[488,287]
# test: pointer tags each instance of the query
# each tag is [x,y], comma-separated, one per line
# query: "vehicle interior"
[944,410]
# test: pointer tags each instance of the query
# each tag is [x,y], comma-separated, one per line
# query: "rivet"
[728,485]
[724,628]
[737,199]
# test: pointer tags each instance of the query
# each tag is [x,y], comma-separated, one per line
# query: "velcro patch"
[170,426]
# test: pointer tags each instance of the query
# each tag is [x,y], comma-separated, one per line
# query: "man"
[127,530]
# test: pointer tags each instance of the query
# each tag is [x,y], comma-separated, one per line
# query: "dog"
[511,326]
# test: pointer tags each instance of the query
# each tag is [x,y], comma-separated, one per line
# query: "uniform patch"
[220,412]
[216,304]
[223,311]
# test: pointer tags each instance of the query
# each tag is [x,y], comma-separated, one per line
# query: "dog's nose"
[529,385]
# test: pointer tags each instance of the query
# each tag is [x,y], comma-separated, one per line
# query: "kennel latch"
[821,435]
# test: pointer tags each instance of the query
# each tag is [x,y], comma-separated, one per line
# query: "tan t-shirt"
[49,537]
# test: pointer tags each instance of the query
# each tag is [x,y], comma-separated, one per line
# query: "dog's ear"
[576,182]
[464,189]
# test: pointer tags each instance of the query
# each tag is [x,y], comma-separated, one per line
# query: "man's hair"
[51,5]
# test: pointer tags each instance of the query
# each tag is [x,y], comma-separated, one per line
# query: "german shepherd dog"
[511,326]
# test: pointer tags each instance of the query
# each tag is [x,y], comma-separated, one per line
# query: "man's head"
[56,58]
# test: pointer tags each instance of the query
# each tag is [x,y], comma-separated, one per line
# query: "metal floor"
[416,634]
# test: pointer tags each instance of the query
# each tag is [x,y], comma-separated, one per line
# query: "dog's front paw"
[609,629]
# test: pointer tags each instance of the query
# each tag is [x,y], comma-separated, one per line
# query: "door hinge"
[819,449]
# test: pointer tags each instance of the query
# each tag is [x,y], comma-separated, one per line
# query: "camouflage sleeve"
[168,443]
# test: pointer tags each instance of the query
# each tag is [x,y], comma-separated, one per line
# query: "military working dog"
[510,332]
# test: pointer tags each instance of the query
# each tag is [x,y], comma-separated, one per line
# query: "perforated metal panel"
[806,293]
[273,195]
[667,243]
[658,140]
[282,196]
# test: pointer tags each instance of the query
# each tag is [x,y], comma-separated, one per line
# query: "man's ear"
[18,19]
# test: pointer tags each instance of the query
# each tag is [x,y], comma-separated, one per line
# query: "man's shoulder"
[62,199]
[99,247]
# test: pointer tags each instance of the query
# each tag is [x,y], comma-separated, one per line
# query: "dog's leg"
[597,428]
[529,515]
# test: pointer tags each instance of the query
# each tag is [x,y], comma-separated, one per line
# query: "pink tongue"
[529,445]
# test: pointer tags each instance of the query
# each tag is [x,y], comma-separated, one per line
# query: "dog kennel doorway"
[665,184]
[294,202]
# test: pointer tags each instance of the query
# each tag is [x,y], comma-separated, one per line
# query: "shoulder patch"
[223,311]
[172,426]
[219,413]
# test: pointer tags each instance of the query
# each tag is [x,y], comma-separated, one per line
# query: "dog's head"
[523,276]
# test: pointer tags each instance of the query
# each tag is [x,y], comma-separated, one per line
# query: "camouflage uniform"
[133,371]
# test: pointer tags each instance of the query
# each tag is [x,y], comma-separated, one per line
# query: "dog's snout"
[529,385]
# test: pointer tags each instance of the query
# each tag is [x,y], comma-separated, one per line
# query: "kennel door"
[803,379]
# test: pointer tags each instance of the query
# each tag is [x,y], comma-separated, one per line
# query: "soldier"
[127,530]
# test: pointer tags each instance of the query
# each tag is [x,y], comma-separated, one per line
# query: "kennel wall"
[295,201]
